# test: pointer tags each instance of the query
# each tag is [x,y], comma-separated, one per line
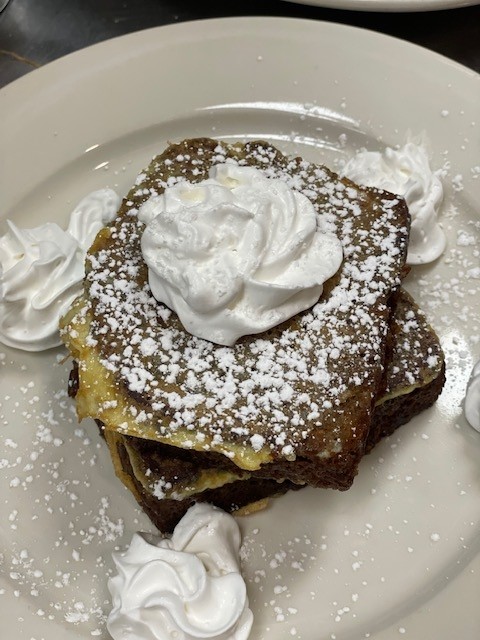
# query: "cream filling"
[206,479]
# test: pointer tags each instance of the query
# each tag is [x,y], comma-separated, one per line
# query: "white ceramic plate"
[397,555]
[389,5]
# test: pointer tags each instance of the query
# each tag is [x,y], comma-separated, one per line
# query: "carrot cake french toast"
[294,402]
[166,480]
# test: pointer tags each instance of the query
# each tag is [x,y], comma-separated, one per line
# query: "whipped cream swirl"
[472,398]
[91,214]
[407,173]
[236,254]
[186,587]
[41,271]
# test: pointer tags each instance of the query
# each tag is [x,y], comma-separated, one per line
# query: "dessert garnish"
[407,173]
[472,398]
[187,586]
[236,254]
[42,269]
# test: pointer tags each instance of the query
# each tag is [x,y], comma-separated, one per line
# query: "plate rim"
[54,65]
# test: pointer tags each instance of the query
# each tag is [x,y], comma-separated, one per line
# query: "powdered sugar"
[264,386]
[60,538]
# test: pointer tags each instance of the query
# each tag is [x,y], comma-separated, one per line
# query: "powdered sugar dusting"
[259,392]
[61,527]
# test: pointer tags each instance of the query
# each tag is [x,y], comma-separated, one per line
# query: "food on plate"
[406,171]
[472,398]
[185,586]
[236,254]
[42,269]
[166,481]
[292,405]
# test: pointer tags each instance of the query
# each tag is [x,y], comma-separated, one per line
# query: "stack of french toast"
[188,420]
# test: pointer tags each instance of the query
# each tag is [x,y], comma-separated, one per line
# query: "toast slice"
[295,402]
[166,481]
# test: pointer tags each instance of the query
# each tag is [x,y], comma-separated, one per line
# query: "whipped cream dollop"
[185,587]
[237,253]
[407,173]
[41,272]
[472,398]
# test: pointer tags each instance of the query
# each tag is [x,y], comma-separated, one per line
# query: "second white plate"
[390,5]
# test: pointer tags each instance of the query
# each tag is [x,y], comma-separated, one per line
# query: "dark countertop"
[35,32]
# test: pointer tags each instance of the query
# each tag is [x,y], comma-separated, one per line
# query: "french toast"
[293,403]
[166,481]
